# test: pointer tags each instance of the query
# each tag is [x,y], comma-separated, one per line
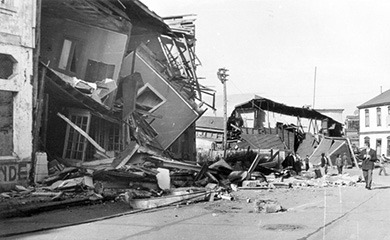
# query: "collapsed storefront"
[263,133]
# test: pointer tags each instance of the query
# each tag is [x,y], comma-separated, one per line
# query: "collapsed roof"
[272,106]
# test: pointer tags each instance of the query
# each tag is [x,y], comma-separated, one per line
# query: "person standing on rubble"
[307,166]
[324,163]
[298,164]
[382,163]
[345,159]
[369,157]
[339,164]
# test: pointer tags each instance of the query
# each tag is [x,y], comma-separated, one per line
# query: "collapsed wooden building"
[114,76]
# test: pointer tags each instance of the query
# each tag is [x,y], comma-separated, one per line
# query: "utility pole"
[222,75]
[314,92]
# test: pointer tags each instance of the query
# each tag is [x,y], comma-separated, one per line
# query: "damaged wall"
[177,113]
[88,45]
[17,41]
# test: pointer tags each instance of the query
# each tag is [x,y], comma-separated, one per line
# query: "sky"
[333,53]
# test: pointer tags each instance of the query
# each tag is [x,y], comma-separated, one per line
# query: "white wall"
[373,131]
[17,38]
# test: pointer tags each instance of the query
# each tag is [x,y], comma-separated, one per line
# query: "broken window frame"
[182,60]
[109,135]
[78,142]
[149,87]
[71,56]
[105,69]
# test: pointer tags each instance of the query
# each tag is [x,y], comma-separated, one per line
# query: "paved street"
[334,213]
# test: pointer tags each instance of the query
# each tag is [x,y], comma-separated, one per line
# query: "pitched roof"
[267,104]
[380,100]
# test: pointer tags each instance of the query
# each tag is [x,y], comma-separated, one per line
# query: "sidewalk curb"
[46,206]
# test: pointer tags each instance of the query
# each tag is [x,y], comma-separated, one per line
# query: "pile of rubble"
[154,181]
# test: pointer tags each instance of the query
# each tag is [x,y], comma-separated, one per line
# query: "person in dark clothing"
[325,163]
[298,164]
[307,166]
[339,164]
[288,161]
[368,156]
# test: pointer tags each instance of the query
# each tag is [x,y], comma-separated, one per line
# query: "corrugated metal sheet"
[323,147]
[261,141]
[307,146]
[331,147]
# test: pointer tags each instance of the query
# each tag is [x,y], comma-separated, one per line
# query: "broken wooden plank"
[125,156]
[168,163]
[83,133]
[253,165]
[202,171]
[98,164]
[167,200]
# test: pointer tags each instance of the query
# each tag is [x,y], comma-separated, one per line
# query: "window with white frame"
[378,117]
[367,118]
[75,143]
[149,98]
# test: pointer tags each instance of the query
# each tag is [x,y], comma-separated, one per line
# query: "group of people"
[341,162]
[367,155]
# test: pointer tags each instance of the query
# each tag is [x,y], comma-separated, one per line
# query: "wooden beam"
[125,156]
[253,165]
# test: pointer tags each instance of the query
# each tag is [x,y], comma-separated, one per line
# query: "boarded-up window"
[97,71]
[7,65]
[149,99]
[6,123]
[75,143]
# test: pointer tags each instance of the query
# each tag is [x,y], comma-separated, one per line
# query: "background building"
[374,116]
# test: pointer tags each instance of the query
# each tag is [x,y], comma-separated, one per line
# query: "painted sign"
[12,172]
